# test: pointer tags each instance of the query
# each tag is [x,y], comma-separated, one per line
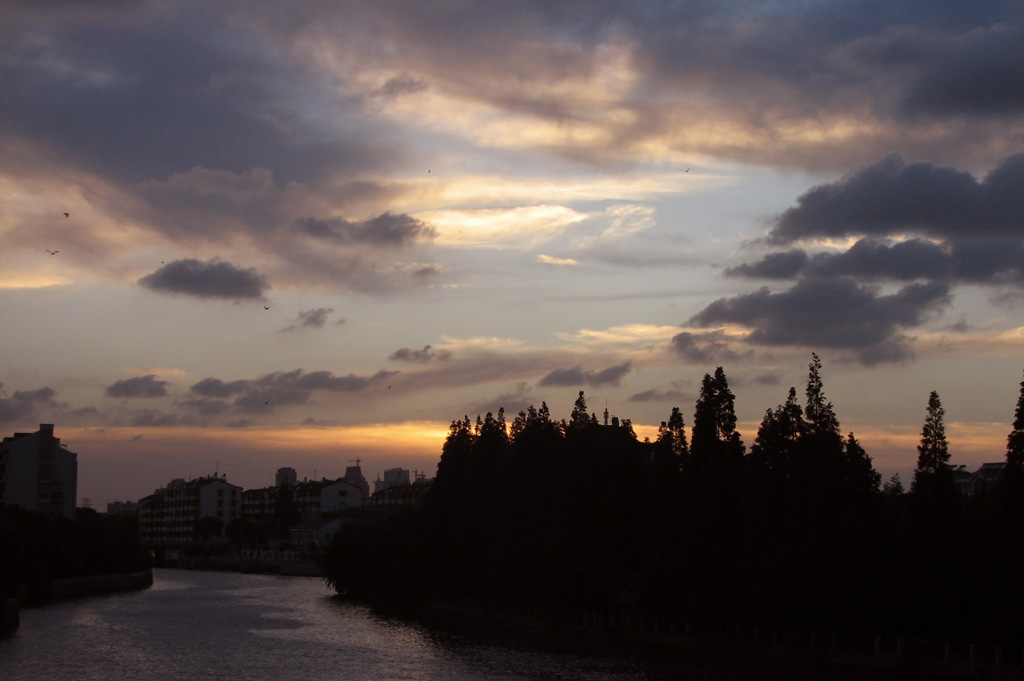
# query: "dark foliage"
[575,516]
[36,549]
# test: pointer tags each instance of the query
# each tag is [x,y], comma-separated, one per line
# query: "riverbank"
[245,565]
[877,658]
[67,589]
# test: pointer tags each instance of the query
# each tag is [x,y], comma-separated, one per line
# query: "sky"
[239,236]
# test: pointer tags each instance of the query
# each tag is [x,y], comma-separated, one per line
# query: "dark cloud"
[980,75]
[893,197]
[831,313]
[140,386]
[144,99]
[401,85]
[314,319]
[22,405]
[211,279]
[385,230]
[427,354]
[667,396]
[977,261]
[280,388]
[214,387]
[772,266]
[704,348]
[577,376]
[206,405]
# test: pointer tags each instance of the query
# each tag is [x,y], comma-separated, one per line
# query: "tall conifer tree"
[933,451]
[1015,440]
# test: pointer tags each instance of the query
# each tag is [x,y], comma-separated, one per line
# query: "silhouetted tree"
[672,436]
[579,420]
[714,423]
[933,450]
[775,452]
[893,486]
[1015,440]
[861,475]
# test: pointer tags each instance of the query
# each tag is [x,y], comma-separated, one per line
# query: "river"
[211,625]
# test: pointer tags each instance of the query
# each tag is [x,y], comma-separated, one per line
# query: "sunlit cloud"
[480,343]
[624,335]
[637,184]
[523,227]
[30,280]
[552,260]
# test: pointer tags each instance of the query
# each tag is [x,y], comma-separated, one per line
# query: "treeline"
[36,549]
[797,532]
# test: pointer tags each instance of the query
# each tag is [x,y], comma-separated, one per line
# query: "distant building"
[285,476]
[125,508]
[37,472]
[970,483]
[174,515]
[317,497]
[392,477]
[398,497]
[308,498]
[354,474]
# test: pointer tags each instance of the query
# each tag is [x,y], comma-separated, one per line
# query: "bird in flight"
[52,252]
[266,307]
[67,215]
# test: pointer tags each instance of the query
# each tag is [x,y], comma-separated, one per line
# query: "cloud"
[212,279]
[893,197]
[672,396]
[139,386]
[401,85]
[977,261]
[205,405]
[280,388]
[577,376]
[972,76]
[311,319]
[772,266]
[214,387]
[427,354]
[385,230]
[831,313]
[23,404]
[552,260]
[703,348]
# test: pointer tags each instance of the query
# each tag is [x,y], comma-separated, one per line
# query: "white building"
[37,472]
[171,516]
[340,495]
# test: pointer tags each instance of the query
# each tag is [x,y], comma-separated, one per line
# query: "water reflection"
[196,625]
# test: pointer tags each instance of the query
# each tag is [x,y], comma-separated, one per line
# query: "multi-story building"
[354,474]
[320,497]
[306,499]
[176,515]
[397,497]
[37,472]
[392,477]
